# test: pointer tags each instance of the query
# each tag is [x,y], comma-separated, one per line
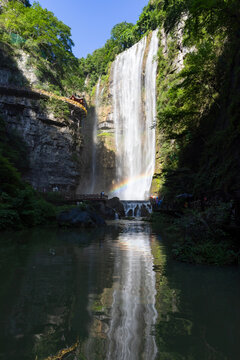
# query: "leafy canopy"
[39,28]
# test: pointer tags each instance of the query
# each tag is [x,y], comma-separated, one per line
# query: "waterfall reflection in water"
[124,316]
[133,310]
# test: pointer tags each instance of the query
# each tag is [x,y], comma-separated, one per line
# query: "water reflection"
[133,311]
[112,294]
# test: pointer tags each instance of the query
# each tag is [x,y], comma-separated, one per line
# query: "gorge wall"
[98,153]
[50,129]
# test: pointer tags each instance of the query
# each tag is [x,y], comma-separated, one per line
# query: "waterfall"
[134,103]
[94,139]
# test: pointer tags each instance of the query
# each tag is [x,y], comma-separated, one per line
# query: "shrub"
[10,179]
[9,219]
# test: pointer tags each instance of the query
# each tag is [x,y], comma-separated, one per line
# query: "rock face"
[100,116]
[51,130]
[52,142]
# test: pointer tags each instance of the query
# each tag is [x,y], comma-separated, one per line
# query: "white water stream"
[134,101]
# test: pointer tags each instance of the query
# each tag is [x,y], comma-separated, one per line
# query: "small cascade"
[94,140]
[137,208]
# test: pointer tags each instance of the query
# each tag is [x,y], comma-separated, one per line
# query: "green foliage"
[59,108]
[201,237]
[105,133]
[150,18]
[197,121]
[38,32]
[10,179]
[32,209]
[203,16]
[122,35]
[25,208]
[9,219]
[40,29]
[195,112]
[13,147]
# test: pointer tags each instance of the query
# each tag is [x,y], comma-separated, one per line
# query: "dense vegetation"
[37,32]
[198,106]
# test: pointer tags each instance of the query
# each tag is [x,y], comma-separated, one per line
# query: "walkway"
[36,93]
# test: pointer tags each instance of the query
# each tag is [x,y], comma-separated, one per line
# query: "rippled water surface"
[112,293]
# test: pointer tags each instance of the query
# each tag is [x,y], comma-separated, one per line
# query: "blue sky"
[91,21]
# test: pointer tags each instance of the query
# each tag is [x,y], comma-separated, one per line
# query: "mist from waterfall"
[134,102]
[94,138]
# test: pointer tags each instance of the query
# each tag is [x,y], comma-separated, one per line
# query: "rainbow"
[124,184]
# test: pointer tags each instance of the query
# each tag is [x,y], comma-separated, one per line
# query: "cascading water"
[134,101]
[94,147]
[137,208]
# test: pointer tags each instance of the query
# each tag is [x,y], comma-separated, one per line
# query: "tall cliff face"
[50,142]
[50,128]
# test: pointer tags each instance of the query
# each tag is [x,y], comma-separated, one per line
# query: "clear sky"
[91,21]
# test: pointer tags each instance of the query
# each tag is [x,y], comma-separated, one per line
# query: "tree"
[122,35]
[40,29]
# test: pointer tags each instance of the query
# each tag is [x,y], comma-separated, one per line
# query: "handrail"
[61,98]
[63,352]
[45,93]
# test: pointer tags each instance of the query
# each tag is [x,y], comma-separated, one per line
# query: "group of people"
[80,100]
[156,201]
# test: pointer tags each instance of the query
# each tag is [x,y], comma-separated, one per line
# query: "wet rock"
[104,210]
[144,211]
[136,210]
[80,218]
[116,204]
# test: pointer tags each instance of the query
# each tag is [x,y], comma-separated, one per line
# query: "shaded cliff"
[100,117]
[50,128]
[198,104]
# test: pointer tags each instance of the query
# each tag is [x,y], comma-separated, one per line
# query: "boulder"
[104,210]
[80,218]
[145,212]
[116,204]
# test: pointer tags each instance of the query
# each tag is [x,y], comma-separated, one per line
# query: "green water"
[112,293]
